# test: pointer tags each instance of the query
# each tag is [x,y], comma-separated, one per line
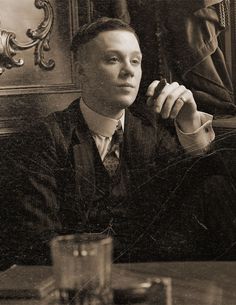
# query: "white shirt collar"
[98,123]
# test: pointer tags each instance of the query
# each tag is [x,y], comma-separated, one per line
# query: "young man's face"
[112,71]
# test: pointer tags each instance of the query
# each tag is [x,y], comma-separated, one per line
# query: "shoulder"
[64,120]
[56,128]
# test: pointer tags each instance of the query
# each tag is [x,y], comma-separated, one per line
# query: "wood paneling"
[29,92]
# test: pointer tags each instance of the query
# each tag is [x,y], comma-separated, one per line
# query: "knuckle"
[162,93]
[175,110]
[151,88]
[189,92]
[157,109]
[171,96]
[154,83]
[174,113]
[179,102]
[175,83]
[167,108]
[164,115]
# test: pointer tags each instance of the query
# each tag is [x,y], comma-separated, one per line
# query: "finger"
[176,108]
[189,105]
[150,92]
[158,89]
[184,101]
[189,99]
[160,100]
[151,88]
[170,101]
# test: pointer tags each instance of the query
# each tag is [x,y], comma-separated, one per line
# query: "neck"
[105,111]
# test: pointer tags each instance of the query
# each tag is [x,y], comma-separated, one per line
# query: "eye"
[113,59]
[136,61]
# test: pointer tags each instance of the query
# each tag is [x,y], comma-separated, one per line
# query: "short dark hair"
[90,30]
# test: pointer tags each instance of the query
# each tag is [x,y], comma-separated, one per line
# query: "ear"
[80,71]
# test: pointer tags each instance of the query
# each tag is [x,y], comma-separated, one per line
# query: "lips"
[126,86]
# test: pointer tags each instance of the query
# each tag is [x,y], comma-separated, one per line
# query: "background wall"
[28,92]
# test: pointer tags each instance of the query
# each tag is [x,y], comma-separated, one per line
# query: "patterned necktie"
[111,160]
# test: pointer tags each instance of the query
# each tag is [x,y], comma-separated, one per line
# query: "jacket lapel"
[138,133]
[83,154]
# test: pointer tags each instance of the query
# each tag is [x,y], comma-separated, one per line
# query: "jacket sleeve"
[198,142]
[31,203]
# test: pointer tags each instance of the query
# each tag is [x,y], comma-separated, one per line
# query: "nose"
[127,69]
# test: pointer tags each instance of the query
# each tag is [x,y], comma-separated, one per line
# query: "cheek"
[140,74]
[96,78]
[102,76]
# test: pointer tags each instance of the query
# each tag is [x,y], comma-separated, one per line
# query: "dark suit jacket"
[53,185]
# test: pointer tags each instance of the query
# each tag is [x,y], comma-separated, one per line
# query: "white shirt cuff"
[197,142]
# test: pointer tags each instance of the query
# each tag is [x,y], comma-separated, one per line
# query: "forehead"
[116,40]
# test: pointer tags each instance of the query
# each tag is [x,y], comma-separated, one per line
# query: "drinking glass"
[82,268]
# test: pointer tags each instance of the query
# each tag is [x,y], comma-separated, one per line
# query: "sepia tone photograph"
[117,153]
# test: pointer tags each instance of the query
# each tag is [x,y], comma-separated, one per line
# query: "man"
[96,167]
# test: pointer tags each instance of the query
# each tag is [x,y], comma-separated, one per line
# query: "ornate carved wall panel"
[33,90]
[39,33]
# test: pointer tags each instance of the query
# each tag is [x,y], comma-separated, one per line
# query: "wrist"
[189,123]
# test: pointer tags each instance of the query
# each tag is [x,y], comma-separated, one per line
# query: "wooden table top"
[193,283]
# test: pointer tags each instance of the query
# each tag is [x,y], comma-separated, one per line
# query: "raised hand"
[175,101]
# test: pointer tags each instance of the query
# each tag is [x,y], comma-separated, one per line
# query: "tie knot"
[118,134]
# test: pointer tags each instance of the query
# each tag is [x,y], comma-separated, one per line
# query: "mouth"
[126,85]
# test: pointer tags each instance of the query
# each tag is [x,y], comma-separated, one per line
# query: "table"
[193,283]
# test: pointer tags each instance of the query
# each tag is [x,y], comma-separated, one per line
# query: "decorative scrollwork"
[39,39]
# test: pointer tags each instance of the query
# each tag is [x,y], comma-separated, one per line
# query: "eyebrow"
[139,53]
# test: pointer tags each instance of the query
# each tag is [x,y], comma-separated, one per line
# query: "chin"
[125,102]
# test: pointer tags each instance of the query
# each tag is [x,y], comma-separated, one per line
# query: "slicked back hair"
[89,31]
